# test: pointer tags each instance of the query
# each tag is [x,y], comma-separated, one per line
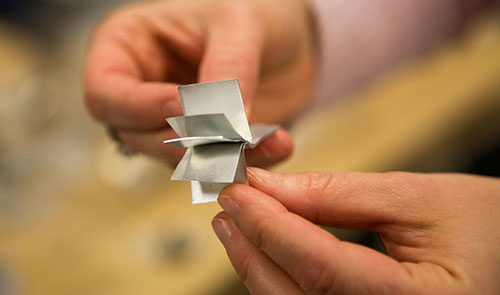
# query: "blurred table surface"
[77,218]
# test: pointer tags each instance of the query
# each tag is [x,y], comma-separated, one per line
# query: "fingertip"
[271,150]
[234,190]
[284,138]
[238,198]
[221,215]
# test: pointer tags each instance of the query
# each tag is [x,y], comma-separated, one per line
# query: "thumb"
[351,200]
[234,45]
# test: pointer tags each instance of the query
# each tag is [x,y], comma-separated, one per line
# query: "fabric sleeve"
[360,39]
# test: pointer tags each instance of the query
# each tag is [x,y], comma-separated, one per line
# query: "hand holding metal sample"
[216,132]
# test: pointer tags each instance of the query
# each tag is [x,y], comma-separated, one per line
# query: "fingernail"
[222,229]
[261,175]
[229,205]
[173,108]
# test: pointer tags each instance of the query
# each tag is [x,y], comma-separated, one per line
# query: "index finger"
[122,85]
[318,261]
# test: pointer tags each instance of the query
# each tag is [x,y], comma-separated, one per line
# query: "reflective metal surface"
[260,132]
[219,97]
[215,130]
[210,163]
[203,125]
[197,140]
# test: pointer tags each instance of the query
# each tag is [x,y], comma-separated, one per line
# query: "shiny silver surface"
[216,132]
[205,192]
[204,125]
[210,163]
[197,140]
[216,98]
[260,132]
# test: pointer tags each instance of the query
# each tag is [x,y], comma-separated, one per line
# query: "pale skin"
[440,230]
[139,54]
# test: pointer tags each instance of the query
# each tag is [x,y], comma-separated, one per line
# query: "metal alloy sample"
[215,131]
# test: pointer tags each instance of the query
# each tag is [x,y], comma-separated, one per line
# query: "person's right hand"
[139,54]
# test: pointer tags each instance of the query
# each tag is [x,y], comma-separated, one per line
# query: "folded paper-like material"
[215,131]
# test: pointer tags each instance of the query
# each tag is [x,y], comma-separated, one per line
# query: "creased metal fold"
[215,131]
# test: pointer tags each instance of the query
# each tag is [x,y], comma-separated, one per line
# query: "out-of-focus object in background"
[26,113]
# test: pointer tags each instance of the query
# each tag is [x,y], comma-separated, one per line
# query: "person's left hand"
[139,55]
[441,233]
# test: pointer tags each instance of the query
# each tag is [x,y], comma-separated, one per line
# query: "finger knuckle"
[318,181]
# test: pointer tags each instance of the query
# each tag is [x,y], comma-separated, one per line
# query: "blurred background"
[77,218]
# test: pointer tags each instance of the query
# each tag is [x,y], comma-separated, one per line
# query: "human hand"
[440,231]
[140,54]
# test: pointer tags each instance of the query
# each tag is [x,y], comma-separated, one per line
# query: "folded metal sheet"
[211,163]
[198,140]
[216,98]
[215,131]
[260,132]
[203,125]
[205,192]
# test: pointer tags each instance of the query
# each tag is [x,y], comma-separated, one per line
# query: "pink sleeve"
[360,39]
